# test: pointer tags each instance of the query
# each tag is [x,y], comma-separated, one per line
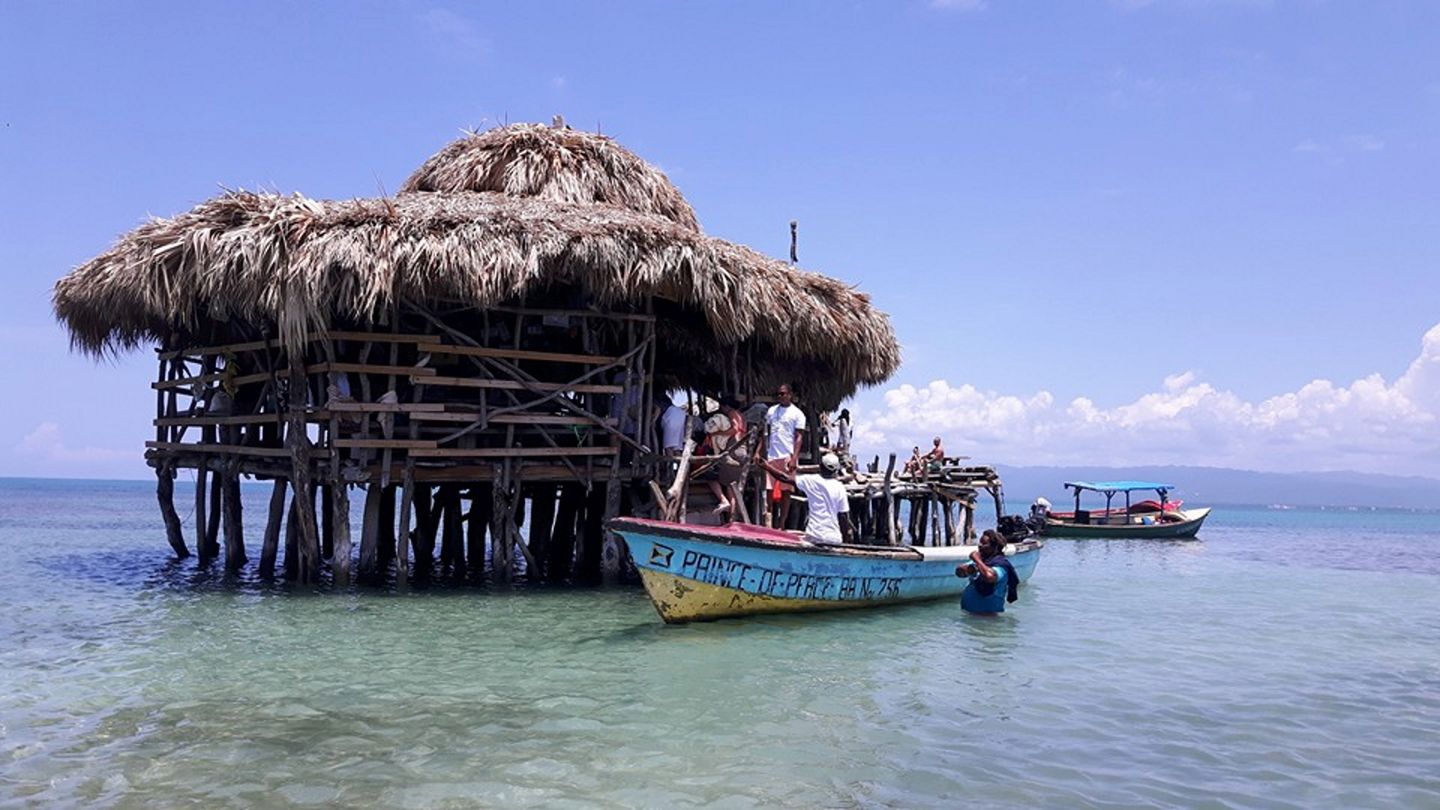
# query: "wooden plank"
[517,354]
[381,444]
[239,450]
[509,418]
[206,379]
[372,368]
[381,407]
[513,452]
[251,419]
[231,348]
[515,385]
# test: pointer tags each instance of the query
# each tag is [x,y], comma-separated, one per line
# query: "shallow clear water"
[1288,659]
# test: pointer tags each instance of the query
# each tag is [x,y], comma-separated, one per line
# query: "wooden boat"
[697,573]
[1147,519]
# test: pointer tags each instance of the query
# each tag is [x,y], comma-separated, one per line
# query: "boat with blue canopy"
[1149,518]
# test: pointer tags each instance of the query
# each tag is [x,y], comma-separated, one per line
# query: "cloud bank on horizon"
[1370,425]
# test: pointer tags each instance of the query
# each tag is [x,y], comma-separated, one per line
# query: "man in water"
[784,430]
[829,506]
[984,560]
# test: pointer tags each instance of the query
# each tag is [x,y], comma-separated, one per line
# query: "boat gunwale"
[683,531]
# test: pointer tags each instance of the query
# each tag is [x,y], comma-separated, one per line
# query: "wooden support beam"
[452,531]
[227,449]
[513,452]
[339,497]
[516,385]
[516,354]
[271,542]
[165,494]
[385,407]
[202,550]
[249,419]
[510,418]
[542,527]
[235,557]
[307,569]
[379,444]
[212,524]
[482,508]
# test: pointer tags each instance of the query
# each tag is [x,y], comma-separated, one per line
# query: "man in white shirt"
[784,430]
[674,423]
[829,521]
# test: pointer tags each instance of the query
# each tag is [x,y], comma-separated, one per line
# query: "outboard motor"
[1014,527]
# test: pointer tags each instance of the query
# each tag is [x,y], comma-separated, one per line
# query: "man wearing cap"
[829,521]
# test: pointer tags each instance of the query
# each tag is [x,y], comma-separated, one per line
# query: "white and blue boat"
[698,573]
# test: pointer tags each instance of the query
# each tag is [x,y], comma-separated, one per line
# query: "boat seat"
[1082,516]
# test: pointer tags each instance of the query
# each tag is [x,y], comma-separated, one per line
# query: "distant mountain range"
[1204,486]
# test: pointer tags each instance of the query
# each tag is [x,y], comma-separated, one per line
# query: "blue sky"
[1108,232]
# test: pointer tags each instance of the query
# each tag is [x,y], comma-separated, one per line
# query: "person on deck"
[842,432]
[784,430]
[915,464]
[984,560]
[674,425]
[933,460]
[724,437]
[828,505]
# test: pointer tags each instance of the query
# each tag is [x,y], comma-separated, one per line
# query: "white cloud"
[558,82]
[1370,425]
[46,445]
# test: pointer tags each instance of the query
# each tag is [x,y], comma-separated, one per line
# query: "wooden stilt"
[424,530]
[613,553]
[201,547]
[562,541]
[327,522]
[500,525]
[452,537]
[542,527]
[386,552]
[269,545]
[592,536]
[165,493]
[308,546]
[402,541]
[890,517]
[212,522]
[234,518]
[370,530]
[292,537]
[340,530]
[482,509]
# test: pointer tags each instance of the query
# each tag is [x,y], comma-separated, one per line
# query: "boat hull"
[1177,530]
[694,573]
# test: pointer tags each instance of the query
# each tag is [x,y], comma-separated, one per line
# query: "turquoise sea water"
[1287,659]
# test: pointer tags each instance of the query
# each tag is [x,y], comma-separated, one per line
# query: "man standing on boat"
[829,506]
[784,430]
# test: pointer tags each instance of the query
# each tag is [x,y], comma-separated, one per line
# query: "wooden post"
[292,537]
[482,511]
[234,520]
[592,536]
[387,527]
[500,524]
[340,530]
[969,522]
[407,502]
[212,524]
[307,568]
[890,517]
[165,493]
[370,530]
[327,521]
[424,530]
[452,543]
[201,495]
[562,542]
[612,554]
[542,526]
[269,545]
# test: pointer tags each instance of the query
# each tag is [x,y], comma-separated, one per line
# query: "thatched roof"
[301,264]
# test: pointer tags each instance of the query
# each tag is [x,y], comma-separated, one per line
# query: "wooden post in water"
[165,493]
[212,524]
[562,541]
[234,519]
[269,545]
[542,526]
[201,547]
[482,510]
[370,530]
[327,521]
[340,530]
[452,549]
[386,552]
[402,540]
[307,568]
[424,530]
[292,537]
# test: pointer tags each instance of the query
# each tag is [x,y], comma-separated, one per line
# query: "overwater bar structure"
[483,349]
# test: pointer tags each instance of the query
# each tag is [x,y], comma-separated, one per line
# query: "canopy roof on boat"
[1118,486]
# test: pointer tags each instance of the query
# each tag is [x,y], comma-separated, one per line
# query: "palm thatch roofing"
[492,217]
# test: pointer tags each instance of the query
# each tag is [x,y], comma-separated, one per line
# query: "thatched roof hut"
[494,217]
